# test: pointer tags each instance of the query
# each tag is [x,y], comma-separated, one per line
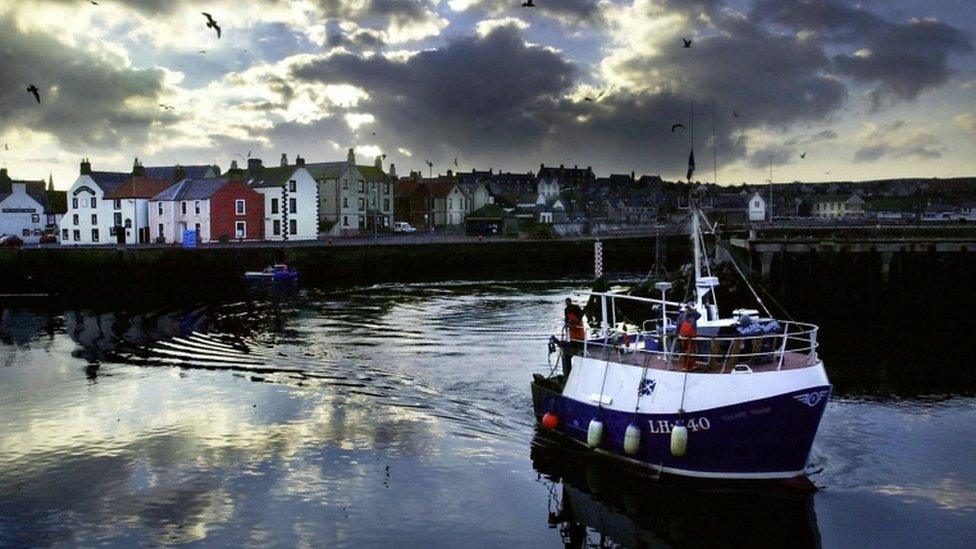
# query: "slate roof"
[271,177]
[169,172]
[139,187]
[372,173]
[193,189]
[488,212]
[109,181]
[326,170]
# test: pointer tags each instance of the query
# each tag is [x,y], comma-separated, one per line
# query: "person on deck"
[687,332]
[573,317]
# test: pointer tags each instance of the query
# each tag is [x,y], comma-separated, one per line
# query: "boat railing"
[792,343]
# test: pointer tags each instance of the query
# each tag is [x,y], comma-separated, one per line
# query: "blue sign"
[189,238]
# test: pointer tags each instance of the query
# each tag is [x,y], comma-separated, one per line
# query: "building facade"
[216,208]
[354,198]
[291,210]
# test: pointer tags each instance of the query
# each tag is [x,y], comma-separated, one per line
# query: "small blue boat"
[275,274]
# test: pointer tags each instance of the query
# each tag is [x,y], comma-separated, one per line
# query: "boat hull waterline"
[766,438]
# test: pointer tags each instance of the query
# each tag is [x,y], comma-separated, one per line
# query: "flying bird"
[676,126]
[211,24]
[93,2]
[590,99]
[33,89]
[687,42]
[528,4]
[804,155]
[202,51]
[735,114]
[455,162]
[166,107]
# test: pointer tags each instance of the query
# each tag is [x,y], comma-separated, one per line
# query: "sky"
[816,90]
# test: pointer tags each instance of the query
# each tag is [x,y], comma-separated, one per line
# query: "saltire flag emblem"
[646,387]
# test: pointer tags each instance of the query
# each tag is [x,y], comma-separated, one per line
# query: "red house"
[217,208]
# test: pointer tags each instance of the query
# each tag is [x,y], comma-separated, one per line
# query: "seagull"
[202,51]
[676,126]
[33,89]
[166,107]
[528,4]
[735,114]
[93,2]
[590,99]
[687,42]
[211,24]
[455,162]
[804,155]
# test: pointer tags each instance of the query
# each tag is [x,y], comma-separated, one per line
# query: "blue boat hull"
[760,439]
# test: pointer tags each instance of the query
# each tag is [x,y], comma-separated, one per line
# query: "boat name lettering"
[760,411]
[664,426]
[814,398]
[737,415]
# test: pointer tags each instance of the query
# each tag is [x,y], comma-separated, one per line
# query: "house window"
[292,186]
[35,218]
[362,186]
[362,204]
[94,219]
[239,207]
[160,230]
[77,235]
[183,208]
[292,205]
[345,202]
[159,208]
[276,227]
[386,188]
[117,204]
[94,235]
[27,232]
[118,219]
[74,219]
[386,203]
[274,206]
[84,202]
[345,184]
[196,207]
[196,227]
[345,221]
[74,203]
[756,203]
[93,202]
[64,234]
[292,226]
[240,229]
[450,203]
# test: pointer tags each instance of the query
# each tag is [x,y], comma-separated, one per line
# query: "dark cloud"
[900,59]
[84,97]
[777,156]
[570,12]
[472,94]
[398,11]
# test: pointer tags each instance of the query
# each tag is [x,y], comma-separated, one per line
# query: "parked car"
[403,227]
[10,241]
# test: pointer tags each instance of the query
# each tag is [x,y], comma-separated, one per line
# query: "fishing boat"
[279,273]
[741,399]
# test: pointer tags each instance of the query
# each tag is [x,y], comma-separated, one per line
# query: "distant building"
[491,220]
[88,219]
[757,207]
[22,208]
[130,206]
[413,203]
[354,197]
[836,205]
[562,180]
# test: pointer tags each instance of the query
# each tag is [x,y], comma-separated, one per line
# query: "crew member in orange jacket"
[573,315]
[687,332]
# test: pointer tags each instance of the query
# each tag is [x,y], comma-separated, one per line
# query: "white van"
[403,227]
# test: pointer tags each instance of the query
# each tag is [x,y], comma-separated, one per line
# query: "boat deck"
[716,365]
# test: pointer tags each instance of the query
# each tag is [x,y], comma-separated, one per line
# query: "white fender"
[595,433]
[679,440]
[632,438]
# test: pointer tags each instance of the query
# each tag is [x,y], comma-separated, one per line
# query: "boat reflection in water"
[594,503]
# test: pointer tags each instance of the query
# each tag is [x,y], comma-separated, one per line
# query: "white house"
[836,206]
[89,216]
[757,207]
[21,214]
[291,203]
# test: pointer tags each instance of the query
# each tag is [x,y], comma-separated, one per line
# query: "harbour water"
[401,415]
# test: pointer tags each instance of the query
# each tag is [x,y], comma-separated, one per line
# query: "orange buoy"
[550,421]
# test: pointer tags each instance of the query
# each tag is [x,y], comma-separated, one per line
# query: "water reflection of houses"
[21,326]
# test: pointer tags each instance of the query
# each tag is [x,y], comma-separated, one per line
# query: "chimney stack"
[450,174]
[299,161]
[179,174]
[351,157]
[284,160]
[392,171]
[254,165]
[3,173]
[235,173]
[85,167]
[378,162]
[137,169]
